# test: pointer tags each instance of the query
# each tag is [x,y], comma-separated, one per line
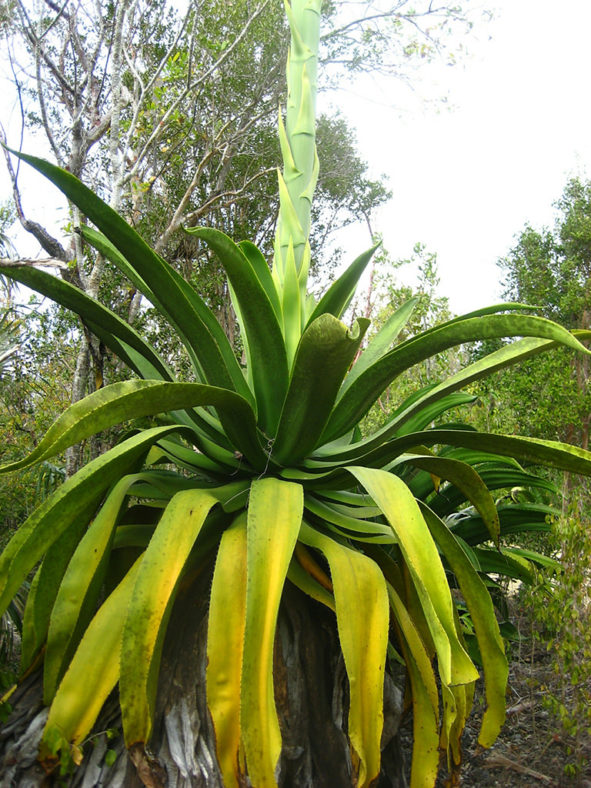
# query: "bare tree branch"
[158,130]
[34,262]
[50,244]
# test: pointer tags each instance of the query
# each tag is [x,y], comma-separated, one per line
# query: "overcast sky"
[466,179]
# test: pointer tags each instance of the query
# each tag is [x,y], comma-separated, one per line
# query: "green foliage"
[560,603]
[33,390]
[7,219]
[550,269]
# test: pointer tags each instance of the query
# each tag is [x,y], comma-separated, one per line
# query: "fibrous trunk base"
[311,697]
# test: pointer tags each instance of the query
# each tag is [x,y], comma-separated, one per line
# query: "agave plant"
[266,466]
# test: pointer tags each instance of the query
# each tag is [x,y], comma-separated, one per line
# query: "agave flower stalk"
[297,182]
[267,468]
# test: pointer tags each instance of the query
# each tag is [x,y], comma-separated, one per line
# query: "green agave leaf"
[45,587]
[505,356]
[467,480]
[364,391]
[130,357]
[338,295]
[132,536]
[423,561]
[259,265]
[479,458]
[535,558]
[274,519]
[101,243]
[225,641]
[325,352]
[479,603]
[151,602]
[268,360]
[91,676]
[532,450]
[115,333]
[136,398]
[494,309]
[161,484]
[199,463]
[362,509]
[428,412]
[69,503]
[494,479]
[506,563]
[346,522]
[514,519]
[80,588]
[493,362]
[361,601]
[378,345]
[184,307]
[353,499]
[327,479]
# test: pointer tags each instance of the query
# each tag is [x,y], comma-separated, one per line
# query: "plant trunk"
[311,695]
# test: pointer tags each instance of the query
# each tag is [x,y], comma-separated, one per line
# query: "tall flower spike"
[300,164]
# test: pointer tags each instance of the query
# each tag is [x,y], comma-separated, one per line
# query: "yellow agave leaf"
[225,638]
[82,574]
[482,612]
[425,698]
[453,743]
[422,558]
[415,645]
[91,676]
[151,603]
[274,518]
[425,751]
[362,612]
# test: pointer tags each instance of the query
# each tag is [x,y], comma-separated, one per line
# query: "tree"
[268,484]
[169,115]
[551,268]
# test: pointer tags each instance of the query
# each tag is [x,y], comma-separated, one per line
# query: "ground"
[532,750]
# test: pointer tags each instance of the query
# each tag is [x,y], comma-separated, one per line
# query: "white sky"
[465,180]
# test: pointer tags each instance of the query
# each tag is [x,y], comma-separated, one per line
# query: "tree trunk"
[311,695]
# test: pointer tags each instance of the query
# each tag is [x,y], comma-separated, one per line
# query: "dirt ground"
[532,749]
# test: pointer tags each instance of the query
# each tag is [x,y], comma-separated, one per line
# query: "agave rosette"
[267,465]
[272,466]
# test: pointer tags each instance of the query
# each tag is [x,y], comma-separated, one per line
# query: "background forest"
[169,111]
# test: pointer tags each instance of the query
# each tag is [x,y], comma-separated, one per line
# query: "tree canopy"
[550,268]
